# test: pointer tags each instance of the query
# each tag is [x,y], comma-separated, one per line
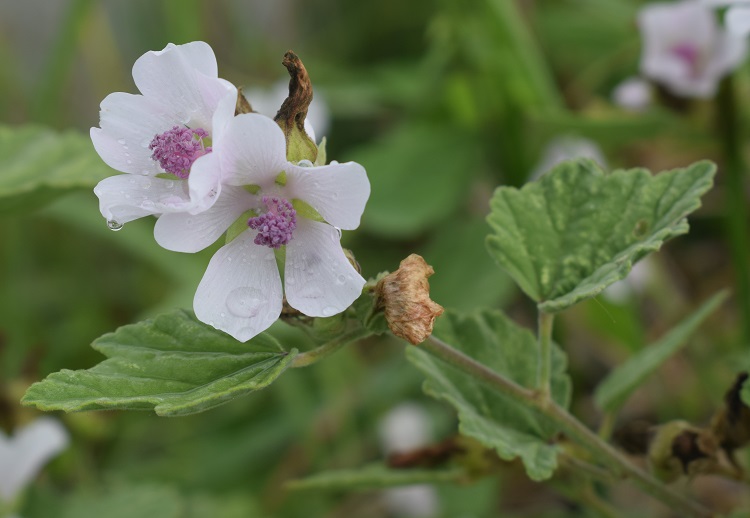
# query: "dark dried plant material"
[243,105]
[635,437]
[428,456]
[405,297]
[291,115]
[679,448]
[731,423]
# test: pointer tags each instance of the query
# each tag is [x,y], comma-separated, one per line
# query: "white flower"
[567,147]
[24,454]
[685,49]
[633,94]
[157,136]
[241,292]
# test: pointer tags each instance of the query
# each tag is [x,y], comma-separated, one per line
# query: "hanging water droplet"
[338,231]
[305,163]
[244,302]
[114,225]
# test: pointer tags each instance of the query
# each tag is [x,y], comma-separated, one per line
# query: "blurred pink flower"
[685,49]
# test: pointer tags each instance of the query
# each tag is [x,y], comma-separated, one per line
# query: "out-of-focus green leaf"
[374,476]
[37,164]
[124,502]
[614,390]
[172,364]
[578,230]
[465,277]
[496,421]
[419,175]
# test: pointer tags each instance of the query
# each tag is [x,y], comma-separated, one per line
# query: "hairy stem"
[545,354]
[576,430]
[328,348]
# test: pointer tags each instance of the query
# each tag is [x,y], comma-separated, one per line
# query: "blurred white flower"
[24,454]
[639,277]
[267,101]
[685,49]
[633,94]
[407,427]
[567,147]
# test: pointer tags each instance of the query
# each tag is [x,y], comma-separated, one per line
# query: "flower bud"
[680,448]
[405,297]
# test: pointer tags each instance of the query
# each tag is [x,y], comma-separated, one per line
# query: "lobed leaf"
[38,164]
[172,364]
[578,230]
[495,420]
[614,390]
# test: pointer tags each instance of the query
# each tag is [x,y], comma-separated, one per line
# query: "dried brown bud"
[405,296]
[731,423]
[680,448]
[291,115]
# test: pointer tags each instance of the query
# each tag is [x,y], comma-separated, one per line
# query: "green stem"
[545,354]
[734,188]
[327,349]
[572,427]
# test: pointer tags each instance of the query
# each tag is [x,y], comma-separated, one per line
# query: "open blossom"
[685,48]
[156,137]
[273,203]
[24,454]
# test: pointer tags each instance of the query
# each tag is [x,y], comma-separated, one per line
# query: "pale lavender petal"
[184,80]
[738,20]
[23,455]
[128,125]
[126,197]
[252,151]
[184,232]
[319,279]
[240,292]
[338,192]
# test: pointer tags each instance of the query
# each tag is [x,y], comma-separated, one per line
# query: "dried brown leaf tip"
[242,105]
[405,297]
[291,115]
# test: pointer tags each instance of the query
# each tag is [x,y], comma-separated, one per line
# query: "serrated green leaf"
[172,364]
[495,420]
[374,476]
[578,230]
[614,390]
[419,174]
[38,164]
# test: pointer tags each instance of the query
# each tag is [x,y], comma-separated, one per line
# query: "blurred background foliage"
[441,101]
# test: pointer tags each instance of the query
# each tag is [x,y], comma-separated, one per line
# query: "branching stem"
[327,349]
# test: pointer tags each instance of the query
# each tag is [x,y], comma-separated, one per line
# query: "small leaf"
[578,230]
[622,381]
[493,419]
[39,164]
[172,364]
[374,476]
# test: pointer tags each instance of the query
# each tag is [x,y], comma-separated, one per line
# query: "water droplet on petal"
[340,279]
[122,141]
[305,163]
[329,311]
[290,281]
[114,225]
[244,302]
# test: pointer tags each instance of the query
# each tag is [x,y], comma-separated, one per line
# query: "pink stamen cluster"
[688,53]
[274,227]
[178,148]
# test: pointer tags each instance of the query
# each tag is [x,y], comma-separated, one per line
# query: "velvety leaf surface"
[577,230]
[38,164]
[614,390]
[172,364]
[495,420]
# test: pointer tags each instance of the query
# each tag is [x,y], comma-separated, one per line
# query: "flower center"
[274,227]
[178,148]
[689,54]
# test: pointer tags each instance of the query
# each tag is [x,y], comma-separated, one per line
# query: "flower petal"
[319,280]
[24,455]
[252,151]
[738,20]
[128,124]
[126,197]
[183,232]
[240,292]
[338,192]
[184,80]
